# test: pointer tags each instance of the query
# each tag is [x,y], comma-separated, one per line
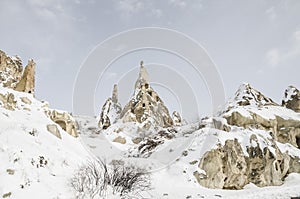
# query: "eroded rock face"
[10,70]
[8,101]
[227,167]
[292,99]
[281,123]
[111,110]
[27,82]
[12,76]
[64,120]
[146,106]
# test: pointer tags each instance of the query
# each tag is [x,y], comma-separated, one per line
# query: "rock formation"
[10,70]
[64,120]
[247,156]
[176,118]
[27,82]
[110,111]
[251,109]
[227,167]
[146,106]
[292,99]
[8,101]
[12,76]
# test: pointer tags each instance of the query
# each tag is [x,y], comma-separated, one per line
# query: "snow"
[290,92]
[25,141]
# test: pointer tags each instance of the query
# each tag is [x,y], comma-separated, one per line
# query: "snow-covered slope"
[34,163]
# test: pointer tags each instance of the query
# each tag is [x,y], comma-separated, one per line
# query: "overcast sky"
[255,41]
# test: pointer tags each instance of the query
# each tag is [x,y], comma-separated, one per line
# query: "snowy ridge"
[248,96]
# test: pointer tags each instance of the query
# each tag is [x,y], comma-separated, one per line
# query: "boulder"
[52,128]
[64,120]
[120,140]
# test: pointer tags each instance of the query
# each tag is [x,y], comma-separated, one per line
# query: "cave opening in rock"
[62,124]
[298,141]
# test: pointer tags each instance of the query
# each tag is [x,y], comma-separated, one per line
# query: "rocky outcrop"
[176,118]
[262,113]
[292,99]
[111,110]
[248,96]
[8,101]
[27,82]
[146,106]
[12,75]
[227,167]
[64,120]
[10,70]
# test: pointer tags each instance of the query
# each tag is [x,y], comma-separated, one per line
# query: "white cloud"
[178,3]
[271,13]
[129,7]
[157,12]
[276,56]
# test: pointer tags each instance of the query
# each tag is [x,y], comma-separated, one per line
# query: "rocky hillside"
[38,148]
[253,142]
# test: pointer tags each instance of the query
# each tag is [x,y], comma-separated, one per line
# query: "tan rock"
[27,82]
[26,100]
[137,140]
[64,120]
[120,140]
[227,167]
[52,128]
[10,70]
[145,104]
[283,130]
[8,101]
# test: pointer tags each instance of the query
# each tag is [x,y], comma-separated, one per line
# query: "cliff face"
[253,148]
[12,75]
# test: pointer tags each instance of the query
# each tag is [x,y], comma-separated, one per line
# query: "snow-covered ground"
[36,164]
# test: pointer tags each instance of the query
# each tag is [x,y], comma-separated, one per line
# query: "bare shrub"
[97,179]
